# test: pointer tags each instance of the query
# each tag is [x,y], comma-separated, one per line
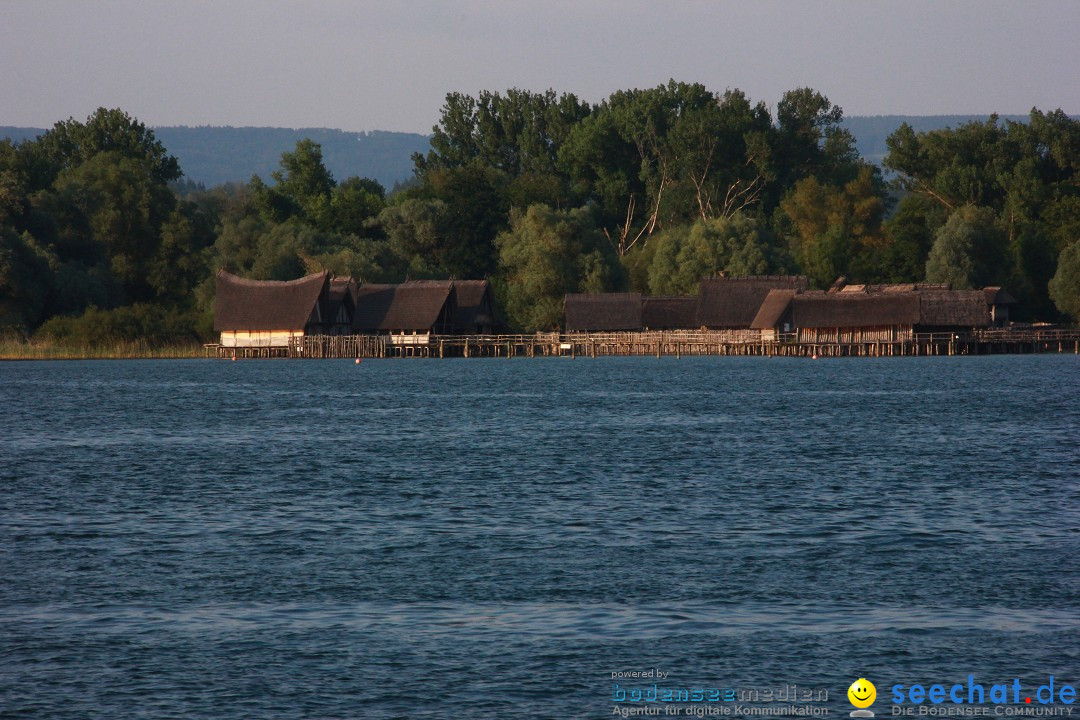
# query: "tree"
[811,141]
[518,133]
[968,250]
[909,235]
[26,279]
[71,143]
[1065,285]
[414,229]
[125,206]
[667,156]
[354,204]
[835,229]
[473,211]
[739,245]
[545,255]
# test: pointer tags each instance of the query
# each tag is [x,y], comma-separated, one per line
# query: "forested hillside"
[650,190]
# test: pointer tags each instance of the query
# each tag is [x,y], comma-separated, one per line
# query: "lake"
[495,538]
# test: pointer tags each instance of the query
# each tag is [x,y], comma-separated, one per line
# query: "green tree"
[71,143]
[739,245]
[26,281]
[354,205]
[545,255]
[471,205]
[811,141]
[967,250]
[125,207]
[835,230]
[909,235]
[1065,285]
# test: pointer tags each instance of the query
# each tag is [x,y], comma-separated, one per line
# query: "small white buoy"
[813,357]
[234,358]
[357,361]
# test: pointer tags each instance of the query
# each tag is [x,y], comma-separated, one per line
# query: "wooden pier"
[676,343]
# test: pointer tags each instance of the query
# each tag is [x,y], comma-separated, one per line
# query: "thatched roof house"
[417,306]
[266,313]
[854,310]
[732,302]
[775,312]
[669,312]
[953,309]
[998,302]
[477,312]
[602,312]
[340,307]
[859,313]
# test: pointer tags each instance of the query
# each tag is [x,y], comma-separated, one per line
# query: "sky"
[363,65]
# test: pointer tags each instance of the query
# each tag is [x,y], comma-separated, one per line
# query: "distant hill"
[216,155]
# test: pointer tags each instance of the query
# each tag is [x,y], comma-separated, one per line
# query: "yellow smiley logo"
[862,693]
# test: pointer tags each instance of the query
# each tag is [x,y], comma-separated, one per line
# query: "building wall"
[889,333]
[259,338]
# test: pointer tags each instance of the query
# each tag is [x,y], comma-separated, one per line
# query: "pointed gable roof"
[772,310]
[242,304]
[413,305]
[733,302]
[475,304]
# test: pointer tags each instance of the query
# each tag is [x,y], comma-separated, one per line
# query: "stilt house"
[731,303]
[269,314]
[408,312]
[477,313]
[602,312]
[341,306]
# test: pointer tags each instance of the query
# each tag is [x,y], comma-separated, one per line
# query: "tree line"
[544,194]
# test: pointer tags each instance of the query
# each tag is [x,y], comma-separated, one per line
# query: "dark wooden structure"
[998,302]
[477,311]
[669,312]
[341,306]
[602,312]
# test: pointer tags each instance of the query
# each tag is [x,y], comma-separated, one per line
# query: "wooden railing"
[671,342]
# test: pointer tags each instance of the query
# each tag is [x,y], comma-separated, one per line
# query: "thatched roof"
[669,312]
[854,310]
[892,288]
[342,292]
[241,304]
[475,304]
[953,308]
[416,305]
[996,296]
[599,312]
[773,308]
[732,302]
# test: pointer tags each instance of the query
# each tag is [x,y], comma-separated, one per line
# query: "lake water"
[495,538]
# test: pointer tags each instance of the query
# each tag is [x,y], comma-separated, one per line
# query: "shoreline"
[22,351]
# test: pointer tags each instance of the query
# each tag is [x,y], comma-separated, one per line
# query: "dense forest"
[101,238]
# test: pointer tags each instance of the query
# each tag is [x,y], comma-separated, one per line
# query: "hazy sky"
[374,65]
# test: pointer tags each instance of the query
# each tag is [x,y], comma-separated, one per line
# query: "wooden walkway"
[660,344]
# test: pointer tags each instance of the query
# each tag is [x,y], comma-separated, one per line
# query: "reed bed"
[120,350]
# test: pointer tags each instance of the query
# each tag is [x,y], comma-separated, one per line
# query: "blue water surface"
[493,538]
